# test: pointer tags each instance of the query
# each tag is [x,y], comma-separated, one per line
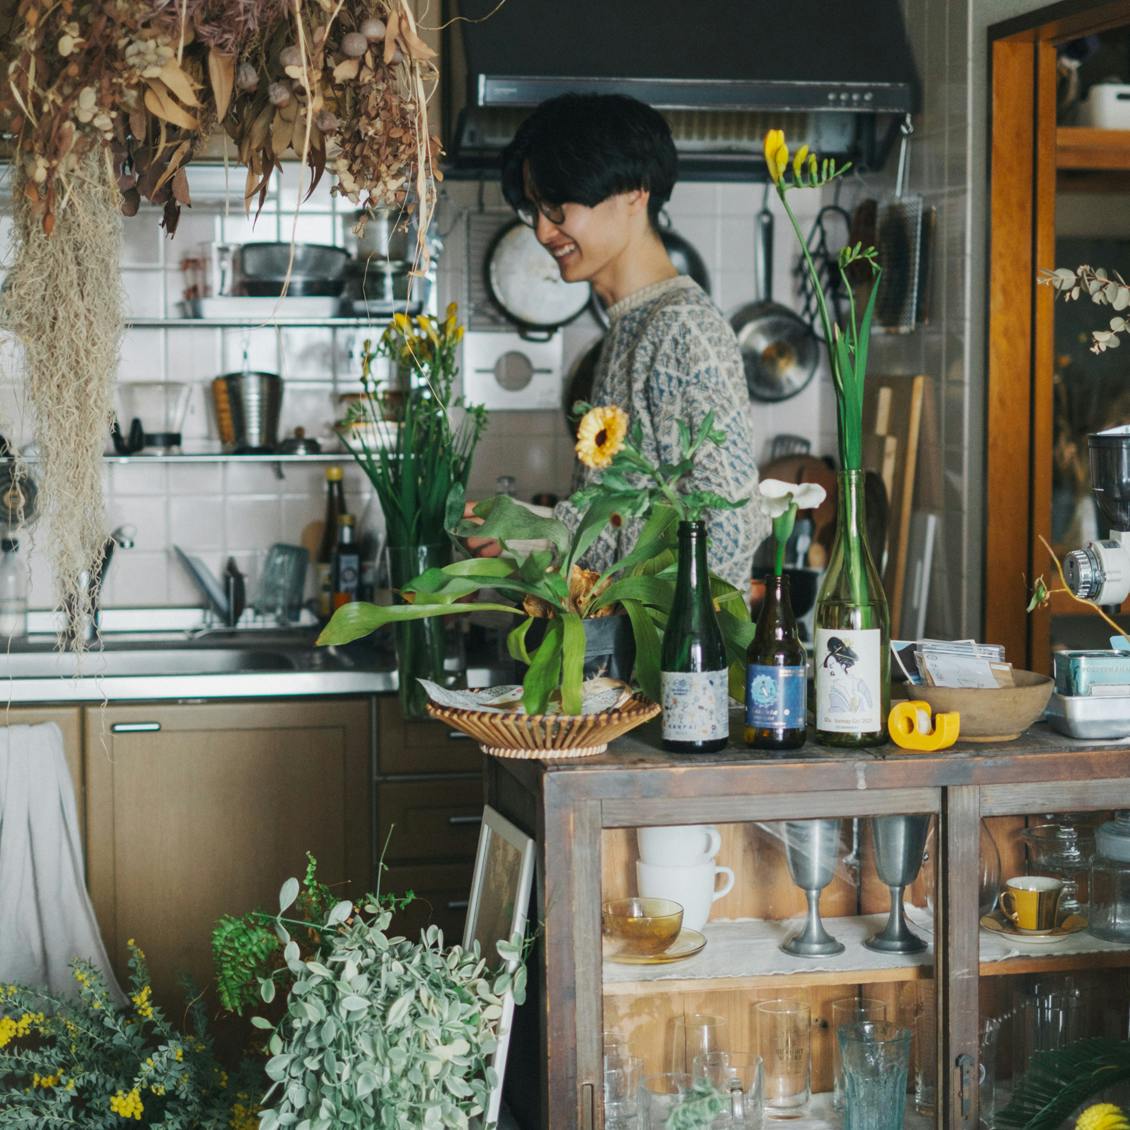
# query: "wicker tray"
[546,736]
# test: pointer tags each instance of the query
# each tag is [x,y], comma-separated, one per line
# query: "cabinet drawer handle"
[456,821]
[457,736]
[458,904]
[134,727]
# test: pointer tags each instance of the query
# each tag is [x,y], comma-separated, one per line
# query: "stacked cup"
[677,862]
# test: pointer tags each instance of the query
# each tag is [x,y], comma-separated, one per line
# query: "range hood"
[837,76]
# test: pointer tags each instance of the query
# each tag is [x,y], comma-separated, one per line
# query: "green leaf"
[596,519]
[453,507]
[506,520]
[648,648]
[658,533]
[516,641]
[572,662]
[544,673]
[261,1022]
[347,625]
[288,893]
[534,566]
[647,590]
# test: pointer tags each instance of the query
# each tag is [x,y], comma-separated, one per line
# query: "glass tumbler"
[876,1061]
[849,1010]
[784,1036]
[694,1034]
[660,1095]
[739,1077]
[622,1075]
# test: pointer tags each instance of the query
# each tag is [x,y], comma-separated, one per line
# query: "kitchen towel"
[45,911]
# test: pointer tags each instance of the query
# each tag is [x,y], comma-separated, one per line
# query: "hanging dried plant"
[63,303]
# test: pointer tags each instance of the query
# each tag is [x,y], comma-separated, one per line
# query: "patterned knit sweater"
[669,355]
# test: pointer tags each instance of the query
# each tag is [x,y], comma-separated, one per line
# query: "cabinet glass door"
[1054,903]
[786,936]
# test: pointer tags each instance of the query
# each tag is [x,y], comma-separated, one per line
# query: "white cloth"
[46,919]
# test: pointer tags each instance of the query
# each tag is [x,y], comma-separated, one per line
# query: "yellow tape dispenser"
[911,727]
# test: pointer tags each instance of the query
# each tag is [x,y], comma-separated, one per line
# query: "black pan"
[684,257]
[778,347]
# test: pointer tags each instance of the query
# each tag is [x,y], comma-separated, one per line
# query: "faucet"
[91,581]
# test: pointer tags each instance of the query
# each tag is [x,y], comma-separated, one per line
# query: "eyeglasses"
[528,212]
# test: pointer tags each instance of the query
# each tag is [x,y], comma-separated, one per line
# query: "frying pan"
[684,257]
[779,349]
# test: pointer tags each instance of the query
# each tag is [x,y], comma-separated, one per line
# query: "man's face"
[583,241]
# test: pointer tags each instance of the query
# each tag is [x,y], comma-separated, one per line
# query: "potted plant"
[415,442]
[375,1030]
[539,568]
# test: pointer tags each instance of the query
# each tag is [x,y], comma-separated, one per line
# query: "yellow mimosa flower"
[776,154]
[601,435]
[799,159]
[1102,1116]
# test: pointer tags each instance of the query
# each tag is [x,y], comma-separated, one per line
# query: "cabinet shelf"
[1080,149]
[744,954]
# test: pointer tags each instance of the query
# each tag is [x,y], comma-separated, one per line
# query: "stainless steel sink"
[131,662]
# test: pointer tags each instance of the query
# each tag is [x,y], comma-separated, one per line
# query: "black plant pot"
[610,646]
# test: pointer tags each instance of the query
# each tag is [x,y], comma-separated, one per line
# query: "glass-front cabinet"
[901,930]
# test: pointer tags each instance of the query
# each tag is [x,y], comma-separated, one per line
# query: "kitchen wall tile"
[691,198]
[261,346]
[136,579]
[139,476]
[252,522]
[200,431]
[302,521]
[238,228]
[144,293]
[312,228]
[195,478]
[148,514]
[252,477]
[142,245]
[307,353]
[194,229]
[197,521]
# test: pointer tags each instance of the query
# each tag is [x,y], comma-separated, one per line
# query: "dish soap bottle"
[693,671]
[13,590]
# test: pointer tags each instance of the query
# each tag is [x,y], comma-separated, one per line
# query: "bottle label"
[696,705]
[775,697]
[848,675]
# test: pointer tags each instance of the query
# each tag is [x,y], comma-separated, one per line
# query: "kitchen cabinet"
[429,801]
[584,812]
[200,809]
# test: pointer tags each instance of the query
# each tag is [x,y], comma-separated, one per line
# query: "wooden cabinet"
[202,809]
[429,800]
[957,994]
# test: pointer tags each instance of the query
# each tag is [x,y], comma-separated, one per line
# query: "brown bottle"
[335,508]
[776,688]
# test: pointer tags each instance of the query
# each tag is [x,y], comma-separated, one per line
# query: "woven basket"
[546,736]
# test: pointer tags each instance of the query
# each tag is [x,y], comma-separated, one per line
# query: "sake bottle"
[776,689]
[853,632]
[693,667]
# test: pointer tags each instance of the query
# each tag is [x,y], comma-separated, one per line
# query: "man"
[590,173]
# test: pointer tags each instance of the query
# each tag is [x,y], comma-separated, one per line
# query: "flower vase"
[421,645]
[853,631]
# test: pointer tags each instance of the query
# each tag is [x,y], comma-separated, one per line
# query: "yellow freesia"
[798,161]
[776,154]
[600,435]
[1102,1116]
[452,311]
[402,322]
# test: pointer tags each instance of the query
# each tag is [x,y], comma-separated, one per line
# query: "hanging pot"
[684,257]
[779,349]
[525,284]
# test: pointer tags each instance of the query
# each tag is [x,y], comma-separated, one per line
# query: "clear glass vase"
[853,631]
[421,645]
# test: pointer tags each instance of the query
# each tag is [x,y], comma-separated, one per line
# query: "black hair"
[584,148]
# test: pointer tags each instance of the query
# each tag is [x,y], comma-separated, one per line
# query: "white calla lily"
[775,497]
[808,496]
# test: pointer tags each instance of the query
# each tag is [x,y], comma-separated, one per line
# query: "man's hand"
[479,547]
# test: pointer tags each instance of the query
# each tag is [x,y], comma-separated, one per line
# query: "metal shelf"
[220,457]
[255,323]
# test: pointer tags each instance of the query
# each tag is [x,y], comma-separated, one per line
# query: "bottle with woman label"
[693,667]
[776,695]
[853,632]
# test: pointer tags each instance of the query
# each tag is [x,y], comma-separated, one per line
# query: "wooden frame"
[500,900]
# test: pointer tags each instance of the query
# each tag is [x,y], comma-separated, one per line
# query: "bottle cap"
[345,519]
[334,474]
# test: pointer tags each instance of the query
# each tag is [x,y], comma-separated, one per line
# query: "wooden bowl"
[545,736]
[991,715]
[640,927]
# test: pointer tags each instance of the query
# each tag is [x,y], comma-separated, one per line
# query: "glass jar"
[1110,880]
[1063,851]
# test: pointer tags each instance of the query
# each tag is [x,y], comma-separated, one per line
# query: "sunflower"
[601,435]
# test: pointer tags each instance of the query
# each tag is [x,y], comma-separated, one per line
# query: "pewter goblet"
[812,848]
[899,844]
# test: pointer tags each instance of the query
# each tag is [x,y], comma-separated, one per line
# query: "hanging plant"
[106,105]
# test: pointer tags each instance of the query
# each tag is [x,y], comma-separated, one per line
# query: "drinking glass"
[622,1075]
[740,1078]
[696,1033]
[849,1010]
[659,1096]
[876,1061]
[784,1035]
[925,1024]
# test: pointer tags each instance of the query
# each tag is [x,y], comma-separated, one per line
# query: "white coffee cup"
[679,845]
[695,888]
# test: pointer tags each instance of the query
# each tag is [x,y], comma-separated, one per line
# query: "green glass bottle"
[776,687]
[853,632]
[693,668]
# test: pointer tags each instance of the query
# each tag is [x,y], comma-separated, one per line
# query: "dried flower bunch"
[1104,288]
[343,84]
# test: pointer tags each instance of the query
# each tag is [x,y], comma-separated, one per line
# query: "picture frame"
[497,909]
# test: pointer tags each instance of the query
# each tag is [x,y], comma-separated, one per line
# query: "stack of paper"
[952,663]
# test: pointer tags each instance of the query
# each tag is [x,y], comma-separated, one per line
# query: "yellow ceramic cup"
[1031,902]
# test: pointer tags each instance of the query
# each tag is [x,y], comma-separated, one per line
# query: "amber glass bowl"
[640,926]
